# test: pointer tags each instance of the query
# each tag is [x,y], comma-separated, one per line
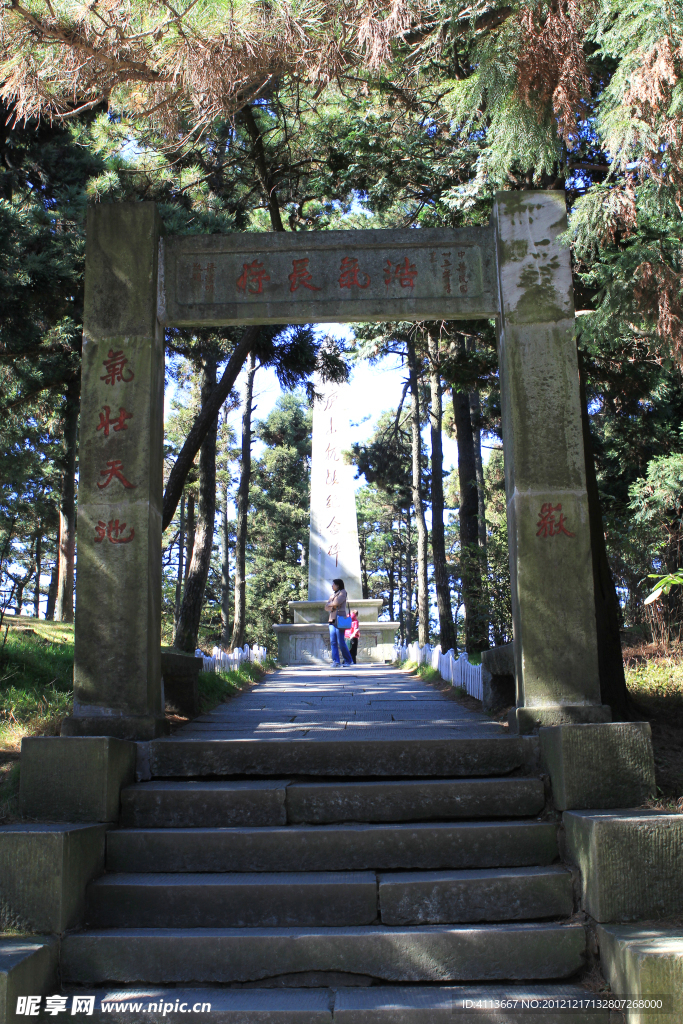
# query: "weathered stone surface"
[436,953]
[334,847]
[459,755]
[117,675]
[599,765]
[550,553]
[28,967]
[500,661]
[218,1005]
[68,778]
[309,643]
[531,719]
[631,863]
[411,800]
[468,1005]
[180,673]
[243,900]
[243,278]
[44,870]
[644,962]
[196,804]
[503,894]
[333,549]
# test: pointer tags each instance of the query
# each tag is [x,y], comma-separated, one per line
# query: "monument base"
[308,643]
[314,611]
[123,727]
[528,719]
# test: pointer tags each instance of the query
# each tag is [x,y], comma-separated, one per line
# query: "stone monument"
[333,550]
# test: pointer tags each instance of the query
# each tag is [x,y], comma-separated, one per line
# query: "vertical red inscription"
[333,552]
[462,273]
[446,275]
[204,276]
[106,420]
[114,366]
[547,527]
[113,531]
[301,276]
[114,472]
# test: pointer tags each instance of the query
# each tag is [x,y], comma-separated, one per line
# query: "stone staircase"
[263,877]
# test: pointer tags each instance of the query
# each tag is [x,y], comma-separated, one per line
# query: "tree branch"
[202,424]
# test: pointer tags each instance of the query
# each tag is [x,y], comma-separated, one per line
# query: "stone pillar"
[117,675]
[556,660]
[333,546]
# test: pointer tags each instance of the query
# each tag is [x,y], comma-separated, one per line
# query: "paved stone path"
[368,701]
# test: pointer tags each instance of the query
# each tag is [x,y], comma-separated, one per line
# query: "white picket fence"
[227,661]
[455,670]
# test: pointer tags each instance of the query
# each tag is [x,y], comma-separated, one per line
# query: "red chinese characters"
[446,275]
[333,552]
[405,273]
[334,526]
[113,531]
[114,365]
[301,276]
[252,277]
[204,276]
[547,525]
[114,472]
[331,454]
[462,273]
[331,478]
[349,274]
[106,420]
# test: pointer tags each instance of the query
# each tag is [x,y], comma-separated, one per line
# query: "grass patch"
[217,687]
[36,679]
[655,683]
[429,674]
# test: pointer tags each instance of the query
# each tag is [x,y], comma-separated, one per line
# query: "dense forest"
[250,116]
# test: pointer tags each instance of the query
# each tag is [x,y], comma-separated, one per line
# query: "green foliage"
[36,670]
[217,687]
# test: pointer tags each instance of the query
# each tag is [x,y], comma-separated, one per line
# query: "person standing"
[352,634]
[336,606]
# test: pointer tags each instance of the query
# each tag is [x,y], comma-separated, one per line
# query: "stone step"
[434,953]
[334,847]
[414,800]
[400,755]
[381,1004]
[327,898]
[164,804]
[269,900]
[450,897]
[204,804]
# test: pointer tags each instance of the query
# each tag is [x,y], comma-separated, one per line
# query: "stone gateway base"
[308,643]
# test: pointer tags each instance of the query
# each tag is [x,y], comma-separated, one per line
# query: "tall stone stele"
[556,658]
[117,674]
[333,551]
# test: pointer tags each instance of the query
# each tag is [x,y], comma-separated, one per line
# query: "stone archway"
[138,283]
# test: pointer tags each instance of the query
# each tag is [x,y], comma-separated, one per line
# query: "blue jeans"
[337,644]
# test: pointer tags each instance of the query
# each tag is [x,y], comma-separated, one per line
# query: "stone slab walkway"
[366,701]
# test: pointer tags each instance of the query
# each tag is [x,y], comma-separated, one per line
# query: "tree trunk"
[476,620]
[409,578]
[416,438]
[64,607]
[186,635]
[443,594]
[225,573]
[189,532]
[242,511]
[613,690]
[54,582]
[364,565]
[181,553]
[475,417]
[39,566]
